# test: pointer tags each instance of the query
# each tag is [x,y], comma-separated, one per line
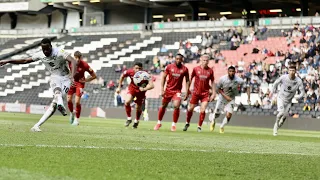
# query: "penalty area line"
[155,149]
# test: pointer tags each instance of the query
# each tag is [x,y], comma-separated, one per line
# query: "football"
[141,78]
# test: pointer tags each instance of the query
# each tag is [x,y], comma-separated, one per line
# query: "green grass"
[104,149]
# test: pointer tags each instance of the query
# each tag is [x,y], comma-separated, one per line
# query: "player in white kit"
[228,89]
[56,62]
[289,86]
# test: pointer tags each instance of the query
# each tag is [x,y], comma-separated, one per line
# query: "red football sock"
[201,118]
[70,106]
[189,115]
[176,114]
[138,114]
[161,113]
[78,110]
[128,110]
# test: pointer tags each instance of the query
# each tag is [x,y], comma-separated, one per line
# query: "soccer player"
[139,93]
[176,72]
[228,89]
[202,74]
[56,61]
[289,86]
[77,87]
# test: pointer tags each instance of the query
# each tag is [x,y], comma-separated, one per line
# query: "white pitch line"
[154,149]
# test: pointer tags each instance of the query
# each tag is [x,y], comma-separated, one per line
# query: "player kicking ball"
[176,72]
[228,89]
[78,86]
[289,86]
[202,74]
[55,61]
[134,92]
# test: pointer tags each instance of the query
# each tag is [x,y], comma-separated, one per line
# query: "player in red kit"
[201,92]
[78,86]
[176,72]
[134,92]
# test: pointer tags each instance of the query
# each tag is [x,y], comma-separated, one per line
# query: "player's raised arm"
[163,80]
[16,61]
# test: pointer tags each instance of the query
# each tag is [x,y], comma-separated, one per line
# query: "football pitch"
[105,149]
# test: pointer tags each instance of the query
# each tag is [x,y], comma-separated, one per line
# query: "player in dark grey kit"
[289,86]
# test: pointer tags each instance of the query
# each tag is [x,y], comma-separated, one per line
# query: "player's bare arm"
[73,65]
[148,87]
[93,76]
[16,61]
[213,95]
[188,82]
[120,84]
[163,82]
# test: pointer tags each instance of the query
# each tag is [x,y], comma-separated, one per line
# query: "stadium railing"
[284,22]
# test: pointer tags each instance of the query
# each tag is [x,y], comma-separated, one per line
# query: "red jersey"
[130,73]
[203,76]
[82,67]
[176,75]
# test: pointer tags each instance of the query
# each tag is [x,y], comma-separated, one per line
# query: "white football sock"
[136,121]
[50,111]
[173,124]
[224,122]
[129,118]
[58,95]
[159,122]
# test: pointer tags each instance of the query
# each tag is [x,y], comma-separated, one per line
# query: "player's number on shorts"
[66,89]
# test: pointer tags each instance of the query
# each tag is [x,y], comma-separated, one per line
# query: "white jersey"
[230,87]
[56,63]
[288,88]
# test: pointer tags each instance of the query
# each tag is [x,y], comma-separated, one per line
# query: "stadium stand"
[106,52]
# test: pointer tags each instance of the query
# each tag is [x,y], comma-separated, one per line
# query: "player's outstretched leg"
[50,111]
[225,121]
[189,115]
[70,106]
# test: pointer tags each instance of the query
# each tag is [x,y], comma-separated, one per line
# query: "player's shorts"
[78,89]
[283,107]
[223,104]
[195,98]
[176,96]
[62,82]
[140,96]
